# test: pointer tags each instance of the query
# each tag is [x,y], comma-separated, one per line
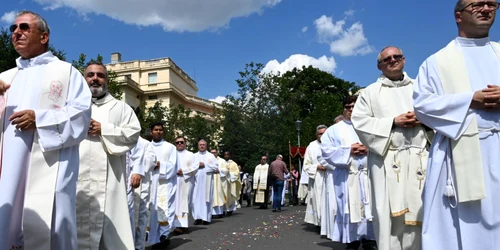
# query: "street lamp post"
[298,124]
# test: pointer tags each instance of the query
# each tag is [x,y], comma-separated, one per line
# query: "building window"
[129,76]
[152,78]
[152,97]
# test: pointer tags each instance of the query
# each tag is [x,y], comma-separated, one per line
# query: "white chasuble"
[442,97]
[163,190]
[38,213]
[185,186]
[101,206]
[315,185]
[260,182]
[352,185]
[397,160]
[220,187]
[204,186]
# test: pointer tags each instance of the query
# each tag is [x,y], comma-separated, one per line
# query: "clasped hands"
[94,128]
[407,120]
[358,149]
[487,99]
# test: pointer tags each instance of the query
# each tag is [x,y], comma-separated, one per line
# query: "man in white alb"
[101,203]
[234,184]
[384,120]
[44,115]
[260,184]
[163,189]
[204,185]
[458,95]
[187,167]
[140,161]
[220,186]
[316,173]
[342,149]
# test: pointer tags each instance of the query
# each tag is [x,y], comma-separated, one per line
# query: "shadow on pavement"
[332,245]
[177,242]
[311,228]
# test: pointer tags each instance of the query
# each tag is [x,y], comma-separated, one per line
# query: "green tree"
[113,85]
[8,53]
[260,119]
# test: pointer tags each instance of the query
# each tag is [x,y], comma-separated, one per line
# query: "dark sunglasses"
[349,106]
[179,142]
[397,58]
[22,27]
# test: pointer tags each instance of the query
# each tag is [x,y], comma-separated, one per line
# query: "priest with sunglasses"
[44,115]
[384,120]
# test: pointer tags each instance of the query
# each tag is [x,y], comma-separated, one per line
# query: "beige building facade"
[158,79]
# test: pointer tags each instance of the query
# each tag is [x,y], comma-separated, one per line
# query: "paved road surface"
[253,228]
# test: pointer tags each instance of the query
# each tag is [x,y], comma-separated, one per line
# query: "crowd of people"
[410,164]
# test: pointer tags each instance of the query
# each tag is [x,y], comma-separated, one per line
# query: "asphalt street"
[254,228]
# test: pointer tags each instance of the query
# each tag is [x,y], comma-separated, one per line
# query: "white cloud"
[352,42]
[218,99]
[304,29]
[348,13]
[180,15]
[324,63]
[345,42]
[327,29]
[9,17]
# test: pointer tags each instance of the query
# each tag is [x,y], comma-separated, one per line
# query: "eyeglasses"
[22,27]
[478,6]
[179,142]
[397,58]
[348,106]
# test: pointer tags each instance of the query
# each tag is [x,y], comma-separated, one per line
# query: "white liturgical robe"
[397,161]
[234,185]
[260,184]
[185,187]
[315,185]
[352,186]
[101,205]
[445,86]
[49,218]
[163,191]
[141,160]
[220,187]
[204,186]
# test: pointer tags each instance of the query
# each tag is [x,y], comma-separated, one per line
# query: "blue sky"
[212,40]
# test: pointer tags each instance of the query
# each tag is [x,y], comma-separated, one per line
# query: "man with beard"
[384,120]
[458,94]
[101,206]
[44,115]
[163,188]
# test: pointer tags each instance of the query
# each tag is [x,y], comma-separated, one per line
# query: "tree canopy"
[260,118]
